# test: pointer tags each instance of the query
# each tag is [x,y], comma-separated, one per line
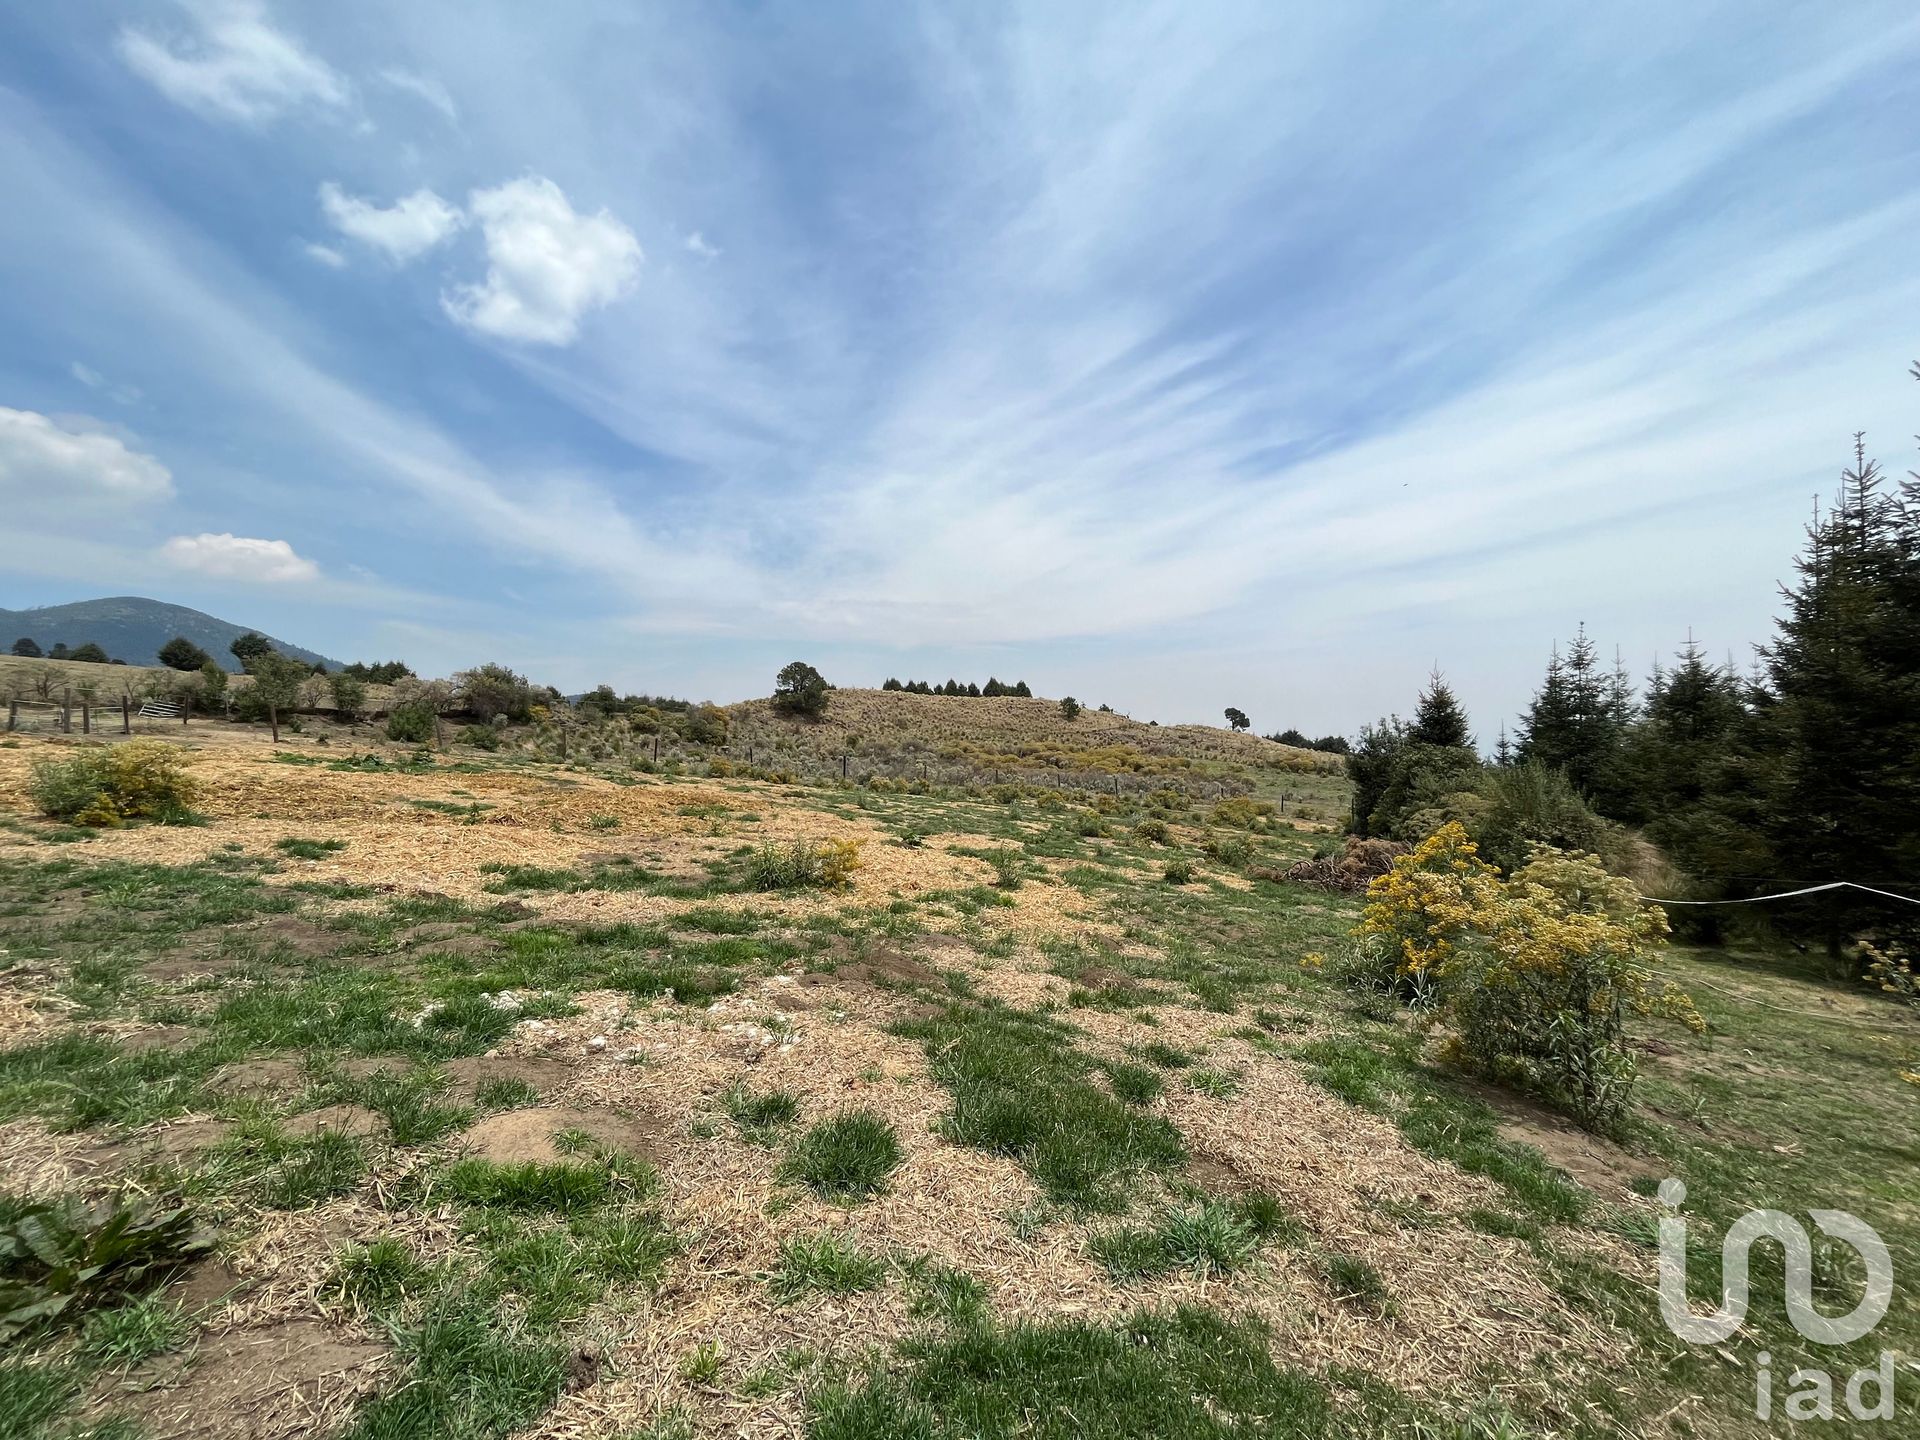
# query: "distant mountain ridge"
[133,628]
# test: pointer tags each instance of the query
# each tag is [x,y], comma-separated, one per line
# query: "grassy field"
[515,1098]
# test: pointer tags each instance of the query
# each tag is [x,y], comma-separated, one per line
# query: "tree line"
[27,648]
[1802,769]
[970,690]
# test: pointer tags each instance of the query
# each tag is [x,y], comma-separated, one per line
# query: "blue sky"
[1172,356]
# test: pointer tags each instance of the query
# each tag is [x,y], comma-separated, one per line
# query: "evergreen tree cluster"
[1803,770]
[970,690]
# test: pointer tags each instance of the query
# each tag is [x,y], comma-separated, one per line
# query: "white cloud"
[699,245]
[68,460]
[411,226]
[238,557]
[324,255]
[422,87]
[235,65]
[546,264]
[87,375]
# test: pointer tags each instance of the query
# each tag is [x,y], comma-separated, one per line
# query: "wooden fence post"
[13,714]
[126,715]
[86,718]
[66,711]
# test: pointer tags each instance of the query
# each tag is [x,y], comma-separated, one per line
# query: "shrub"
[1152,832]
[489,690]
[1542,1005]
[1233,850]
[1536,975]
[481,737]
[819,864]
[1419,913]
[410,724]
[1528,805]
[1179,871]
[1243,812]
[139,780]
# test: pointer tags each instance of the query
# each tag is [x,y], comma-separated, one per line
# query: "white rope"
[1789,895]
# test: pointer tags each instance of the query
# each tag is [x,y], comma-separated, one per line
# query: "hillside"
[1006,723]
[133,628]
[975,740]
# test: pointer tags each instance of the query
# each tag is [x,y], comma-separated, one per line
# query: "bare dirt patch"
[340,1119]
[295,1378]
[1606,1168]
[470,1072]
[260,1077]
[519,1137]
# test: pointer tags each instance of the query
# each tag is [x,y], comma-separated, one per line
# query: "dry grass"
[398,848]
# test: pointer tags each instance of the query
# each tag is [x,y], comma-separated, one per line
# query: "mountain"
[133,629]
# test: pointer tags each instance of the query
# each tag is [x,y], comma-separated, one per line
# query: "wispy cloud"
[422,87]
[229,61]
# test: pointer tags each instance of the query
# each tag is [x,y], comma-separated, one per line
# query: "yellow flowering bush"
[109,785]
[1889,968]
[1435,898]
[1535,975]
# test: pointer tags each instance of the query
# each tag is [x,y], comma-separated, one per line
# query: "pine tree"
[1688,767]
[1845,679]
[1439,720]
[1577,721]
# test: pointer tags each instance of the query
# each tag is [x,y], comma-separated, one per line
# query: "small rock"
[598,1042]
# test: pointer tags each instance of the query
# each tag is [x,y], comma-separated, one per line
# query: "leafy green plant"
[60,1256]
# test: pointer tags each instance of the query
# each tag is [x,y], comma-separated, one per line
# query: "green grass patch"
[823,1264]
[300,849]
[1188,1374]
[847,1157]
[1020,1087]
